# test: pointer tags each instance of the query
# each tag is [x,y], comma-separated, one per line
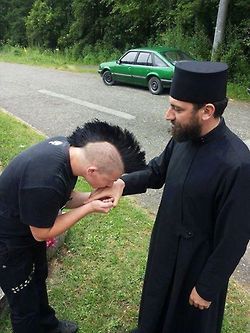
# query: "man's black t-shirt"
[33,187]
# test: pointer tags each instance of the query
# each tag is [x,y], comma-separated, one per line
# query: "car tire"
[108,78]
[155,85]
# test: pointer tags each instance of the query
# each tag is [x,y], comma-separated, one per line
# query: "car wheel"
[108,78]
[155,85]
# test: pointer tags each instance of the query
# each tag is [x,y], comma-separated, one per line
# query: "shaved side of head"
[104,156]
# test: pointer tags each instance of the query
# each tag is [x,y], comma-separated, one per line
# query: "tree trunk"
[220,25]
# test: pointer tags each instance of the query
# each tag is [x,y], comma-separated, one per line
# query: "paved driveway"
[55,102]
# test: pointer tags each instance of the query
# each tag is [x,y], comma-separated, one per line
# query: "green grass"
[237,310]
[45,58]
[89,63]
[238,92]
[14,137]
[97,276]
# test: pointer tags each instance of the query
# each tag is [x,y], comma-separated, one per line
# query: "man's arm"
[65,221]
[39,209]
[77,199]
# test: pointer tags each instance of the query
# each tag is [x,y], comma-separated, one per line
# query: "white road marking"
[247,142]
[89,105]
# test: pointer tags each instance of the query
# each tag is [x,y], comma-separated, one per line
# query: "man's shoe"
[65,326]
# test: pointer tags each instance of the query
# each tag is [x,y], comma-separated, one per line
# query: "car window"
[158,62]
[150,60]
[144,58]
[177,55]
[129,58]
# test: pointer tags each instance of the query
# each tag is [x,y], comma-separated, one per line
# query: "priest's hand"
[114,192]
[197,301]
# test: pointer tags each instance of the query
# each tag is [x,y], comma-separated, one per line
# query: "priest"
[202,226]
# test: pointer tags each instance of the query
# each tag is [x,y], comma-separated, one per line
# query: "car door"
[122,71]
[141,68]
[163,69]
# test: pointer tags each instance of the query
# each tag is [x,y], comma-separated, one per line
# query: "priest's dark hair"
[124,141]
[219,107]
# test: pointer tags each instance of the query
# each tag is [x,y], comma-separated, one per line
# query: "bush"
[197,44]
[92,54]
[239,67]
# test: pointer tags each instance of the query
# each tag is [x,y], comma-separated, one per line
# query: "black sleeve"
[153,176]
[39,206]
[232,231]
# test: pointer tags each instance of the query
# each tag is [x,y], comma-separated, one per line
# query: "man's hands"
[197,301]
[101,206]
[102,200]
[65,221]
[114,192]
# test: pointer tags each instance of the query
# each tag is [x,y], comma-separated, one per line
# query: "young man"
[33,188]
[202,226]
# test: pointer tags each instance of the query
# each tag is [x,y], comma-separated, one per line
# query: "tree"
[3,21]
[220,25]
[12,19]
[47,21]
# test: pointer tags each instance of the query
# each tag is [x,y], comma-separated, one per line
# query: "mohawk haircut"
[124,141]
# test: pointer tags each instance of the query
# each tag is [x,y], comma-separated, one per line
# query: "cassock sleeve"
[231,234]
[153,176]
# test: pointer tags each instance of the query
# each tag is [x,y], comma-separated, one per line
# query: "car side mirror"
[118,61]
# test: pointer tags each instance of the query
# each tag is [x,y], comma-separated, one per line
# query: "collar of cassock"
[215,134]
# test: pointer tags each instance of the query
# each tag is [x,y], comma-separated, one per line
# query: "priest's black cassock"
[200,233]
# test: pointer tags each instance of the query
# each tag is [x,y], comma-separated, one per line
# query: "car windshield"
[174,56]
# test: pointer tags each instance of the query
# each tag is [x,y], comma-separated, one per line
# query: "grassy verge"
[45,58]
[238,92]
[96,278]
[14,137]
[89,63]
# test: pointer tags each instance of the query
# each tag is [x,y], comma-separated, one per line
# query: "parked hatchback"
[148,67]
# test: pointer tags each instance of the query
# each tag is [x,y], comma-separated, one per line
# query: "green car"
[148,67]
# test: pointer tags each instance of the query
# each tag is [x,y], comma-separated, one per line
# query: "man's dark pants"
[23,273]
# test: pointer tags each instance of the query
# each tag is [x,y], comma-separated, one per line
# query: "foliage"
[12,20]
[196,45]
[46,22]
[40,24]
[76,26]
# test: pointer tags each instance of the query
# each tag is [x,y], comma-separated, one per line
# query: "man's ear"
[208,111]
[91,170]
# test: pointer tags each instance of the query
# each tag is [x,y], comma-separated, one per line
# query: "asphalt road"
[56,102]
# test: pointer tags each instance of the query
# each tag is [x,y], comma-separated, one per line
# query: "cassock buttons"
[189,234]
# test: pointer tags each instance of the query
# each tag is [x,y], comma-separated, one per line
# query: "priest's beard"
[190,131]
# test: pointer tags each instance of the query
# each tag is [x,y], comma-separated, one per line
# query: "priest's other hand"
[114,191]
[197,301]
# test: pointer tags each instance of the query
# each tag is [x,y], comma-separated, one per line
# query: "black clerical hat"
[199,81]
